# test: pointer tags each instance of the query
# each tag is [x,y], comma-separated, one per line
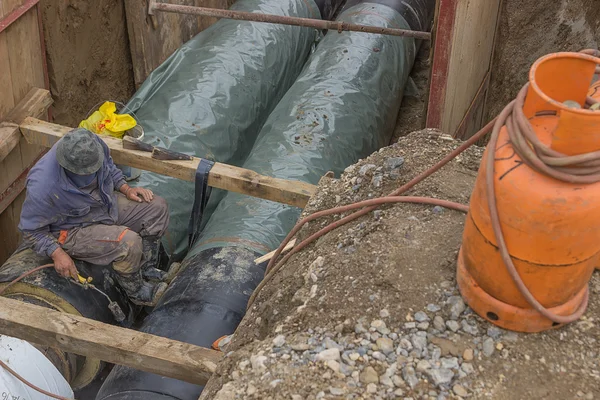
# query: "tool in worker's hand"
[158,153]
[83,280]
[113,306]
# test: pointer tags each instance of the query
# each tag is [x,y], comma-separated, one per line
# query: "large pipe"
[341,108]
[211,97]
[47,289]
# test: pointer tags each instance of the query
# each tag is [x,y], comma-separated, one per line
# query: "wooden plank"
[21,68]
[465,37]
[84,336]
[475,28]
[270,255]
[34,104]
[153,39]
[15,14]
[10,194]
[221,176]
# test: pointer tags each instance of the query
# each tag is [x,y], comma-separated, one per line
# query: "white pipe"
[34,367]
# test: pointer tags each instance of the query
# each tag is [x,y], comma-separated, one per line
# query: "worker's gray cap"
[80,152]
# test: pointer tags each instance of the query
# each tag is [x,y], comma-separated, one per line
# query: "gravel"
[386,327]
[488,346]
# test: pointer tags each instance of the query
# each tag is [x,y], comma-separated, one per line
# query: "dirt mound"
[372,310]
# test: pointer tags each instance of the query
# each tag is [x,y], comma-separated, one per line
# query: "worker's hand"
[63,264]
[139,194]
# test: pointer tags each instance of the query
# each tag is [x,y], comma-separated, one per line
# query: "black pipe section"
[329,8]
[48,289]
[418,13]
[206,301]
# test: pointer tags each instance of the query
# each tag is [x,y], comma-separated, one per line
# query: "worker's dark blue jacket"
[54,203]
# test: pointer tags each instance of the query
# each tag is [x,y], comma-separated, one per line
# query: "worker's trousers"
[120,244]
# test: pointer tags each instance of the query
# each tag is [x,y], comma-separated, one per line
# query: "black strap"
[201,194]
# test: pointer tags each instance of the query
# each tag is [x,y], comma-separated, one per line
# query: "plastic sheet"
[212,96]
[342,108]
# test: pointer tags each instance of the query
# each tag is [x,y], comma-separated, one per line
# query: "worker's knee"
[159,216]
[161,209]
[131,250]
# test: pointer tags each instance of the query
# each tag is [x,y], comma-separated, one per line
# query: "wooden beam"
[34,104]
[222,176]
[86,337]
[14,190]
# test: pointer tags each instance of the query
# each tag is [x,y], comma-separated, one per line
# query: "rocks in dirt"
[468,354]
[488,346]
[279,341]
[419,342]
[423,326]
[467,368]
[386,345]
[371,388]
[258,362]
[468,328]
[376,181]
[393,163]
[460,390]
[433,308]
[366,168]
[421,317]
[423,366]
[336,391]
[494,332]
[369,375]
[457,306]
[437,210]
[410,377]
[333,365]
[447,347]
[440,376]
[380,326]
[453,325]
[359,328]
[384,313]
[439,323]
[329,354]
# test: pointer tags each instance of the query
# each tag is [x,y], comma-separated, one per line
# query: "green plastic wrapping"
[212,96]
[342,107]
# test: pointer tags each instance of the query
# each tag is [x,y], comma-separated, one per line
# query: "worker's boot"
[152,253]
[139,291]
[151,249]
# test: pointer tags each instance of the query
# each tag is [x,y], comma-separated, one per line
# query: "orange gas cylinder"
[536,204]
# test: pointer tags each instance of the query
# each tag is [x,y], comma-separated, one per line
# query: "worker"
[79,206]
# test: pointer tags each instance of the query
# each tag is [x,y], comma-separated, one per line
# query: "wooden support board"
[86,337]
[21,68]
[153,39]
[34,104]
[221,176]
[464,40]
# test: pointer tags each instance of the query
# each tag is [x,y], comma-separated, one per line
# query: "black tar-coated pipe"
[207,300]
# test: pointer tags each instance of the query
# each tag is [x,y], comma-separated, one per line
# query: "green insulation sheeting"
[212,96]
[342,107]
